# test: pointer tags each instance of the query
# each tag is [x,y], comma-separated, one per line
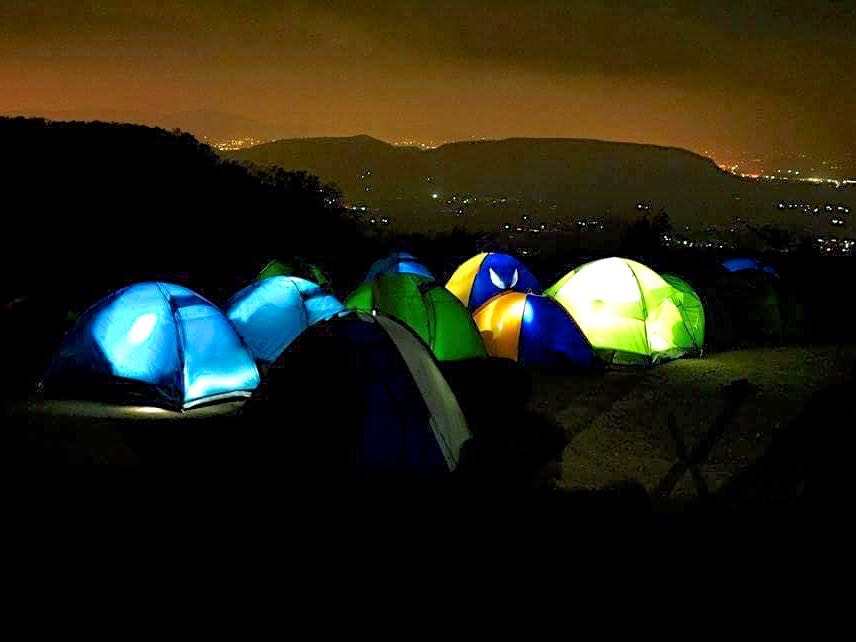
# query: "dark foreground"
[749,430]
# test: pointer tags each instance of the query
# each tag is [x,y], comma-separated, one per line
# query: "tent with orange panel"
[533,330]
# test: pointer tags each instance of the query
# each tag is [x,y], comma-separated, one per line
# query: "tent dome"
[488,274]
[271,313]
[759,305]
[691,307]
[374,395]
[740,263]
[397,262]
[628,312]
[297,267]
[427,308]
[532,329]
[155,343]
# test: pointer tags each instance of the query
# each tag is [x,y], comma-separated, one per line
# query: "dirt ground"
[618,422]
[680,430]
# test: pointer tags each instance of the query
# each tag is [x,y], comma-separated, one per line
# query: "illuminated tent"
[488,274]
[741,263]
[691,307]
[374,398]
[298,267]
[153,343]
[628,312]
[427,308]
[397,262]
[532,329]
[271,313]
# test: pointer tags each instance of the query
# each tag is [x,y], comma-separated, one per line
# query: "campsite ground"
[615,423]
[618,422]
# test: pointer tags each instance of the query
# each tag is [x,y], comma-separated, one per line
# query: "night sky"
[730,75]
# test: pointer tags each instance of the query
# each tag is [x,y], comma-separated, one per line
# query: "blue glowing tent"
[488,274]
[271,313]
[741,263]
[398,262]
[153,343]
[371,398]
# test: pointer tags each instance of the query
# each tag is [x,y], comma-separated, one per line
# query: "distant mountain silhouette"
[547,178]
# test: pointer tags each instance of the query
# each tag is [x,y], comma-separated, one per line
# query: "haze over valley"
[484,185]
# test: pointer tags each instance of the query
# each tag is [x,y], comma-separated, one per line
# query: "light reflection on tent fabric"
[631,314]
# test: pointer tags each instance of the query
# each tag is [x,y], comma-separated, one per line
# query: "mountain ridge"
[511,139]
[548,178]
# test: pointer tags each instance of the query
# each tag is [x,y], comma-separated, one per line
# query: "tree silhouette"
[99,205]
[645,234]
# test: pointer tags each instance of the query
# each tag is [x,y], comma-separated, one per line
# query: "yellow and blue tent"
[488,274]
[533,330]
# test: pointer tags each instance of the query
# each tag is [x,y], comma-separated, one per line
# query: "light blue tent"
[153,343]
[271,313]
[401,262]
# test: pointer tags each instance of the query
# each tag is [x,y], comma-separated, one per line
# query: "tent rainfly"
[628,312]
[398,263]
[427,308]
[488,274]
[533,330]
[154,343]
[297,267]
[271,313]
[374,395]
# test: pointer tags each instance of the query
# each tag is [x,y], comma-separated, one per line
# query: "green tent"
[689,303]
[298,267]
[760,306]
[629,313]
[427,308]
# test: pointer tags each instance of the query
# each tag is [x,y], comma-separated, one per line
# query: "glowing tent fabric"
[298,267]
[628,312]
[154,343]
[691,307]
[427,308]
[373,394]
[488,274]
[271,313]
[533,330]
[398,262]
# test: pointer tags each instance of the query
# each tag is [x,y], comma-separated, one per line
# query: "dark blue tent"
[740,263]
[271,313]
[486,275]
[371,395]
[401,262]
[153,343]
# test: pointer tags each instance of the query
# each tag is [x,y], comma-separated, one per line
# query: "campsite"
[292,350]
[615,381]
